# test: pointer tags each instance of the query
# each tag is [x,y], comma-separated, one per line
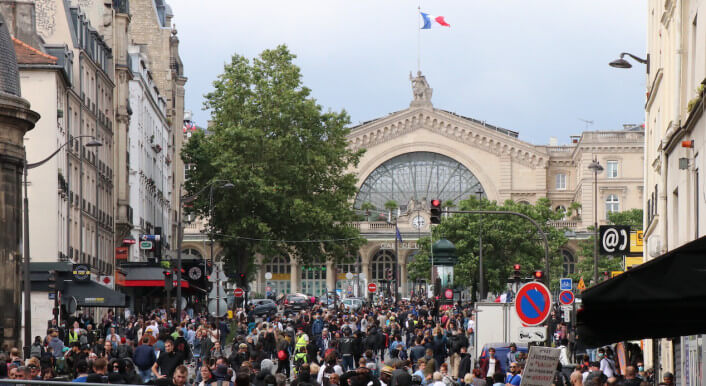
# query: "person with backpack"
[329,367]
[37,349]
[346,348]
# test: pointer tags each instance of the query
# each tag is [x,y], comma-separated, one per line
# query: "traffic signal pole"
[530,219]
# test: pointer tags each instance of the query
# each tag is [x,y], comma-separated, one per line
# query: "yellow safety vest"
[73,337]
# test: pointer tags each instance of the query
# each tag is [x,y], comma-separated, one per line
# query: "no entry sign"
[449,293]
[238,292]
[566,298]
[533,303]
[372,287]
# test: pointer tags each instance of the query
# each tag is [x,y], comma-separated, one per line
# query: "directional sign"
[565,284]
[532,334]
[614,239]
[238,292]
[150,237]
[145,245]
[372,287]
[566,297]
[533,303]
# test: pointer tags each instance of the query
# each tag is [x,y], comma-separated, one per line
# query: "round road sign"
[566,298]
[533,303]
[268,275]
[372,287]
[238,292]
[449,293]
[268,289]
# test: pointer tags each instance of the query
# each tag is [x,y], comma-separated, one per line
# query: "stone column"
[365,265]
[295,277]
[15,120]
[403,282]
[331,276]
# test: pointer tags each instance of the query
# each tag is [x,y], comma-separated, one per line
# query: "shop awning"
[92,294]
[148,277]
[664,297]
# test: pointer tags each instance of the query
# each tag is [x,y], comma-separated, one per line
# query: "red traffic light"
[516,267]
[435,203]
[538,275]
[167,273]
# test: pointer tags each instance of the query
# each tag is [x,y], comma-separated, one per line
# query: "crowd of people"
[405,344]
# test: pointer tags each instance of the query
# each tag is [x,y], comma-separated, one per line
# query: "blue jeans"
[145,375]
[347,362]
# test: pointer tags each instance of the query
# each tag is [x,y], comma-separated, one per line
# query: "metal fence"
[55,383]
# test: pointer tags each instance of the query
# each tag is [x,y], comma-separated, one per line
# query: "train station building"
[424,152]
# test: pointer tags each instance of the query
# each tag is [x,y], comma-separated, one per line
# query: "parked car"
[352,304]
[264,307]
[257,302]
[295,302]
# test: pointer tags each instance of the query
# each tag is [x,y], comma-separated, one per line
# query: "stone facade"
[16,119]
[674,197]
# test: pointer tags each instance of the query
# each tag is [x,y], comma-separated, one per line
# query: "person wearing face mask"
[641,371]
[607,365]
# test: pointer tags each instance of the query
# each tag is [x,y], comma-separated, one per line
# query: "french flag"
[428,19]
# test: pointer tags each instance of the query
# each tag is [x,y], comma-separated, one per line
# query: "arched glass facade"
[412,179]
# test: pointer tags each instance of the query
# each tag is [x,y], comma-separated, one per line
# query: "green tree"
[288,160]
[507,239]
[584,267]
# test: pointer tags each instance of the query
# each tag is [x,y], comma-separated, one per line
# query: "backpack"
[328,370]
[36,351]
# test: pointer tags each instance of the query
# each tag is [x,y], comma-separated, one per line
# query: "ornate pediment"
[457,128]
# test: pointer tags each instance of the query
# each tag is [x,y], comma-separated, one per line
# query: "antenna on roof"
[587,122]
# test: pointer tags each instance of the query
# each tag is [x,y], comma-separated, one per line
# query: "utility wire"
[288,241]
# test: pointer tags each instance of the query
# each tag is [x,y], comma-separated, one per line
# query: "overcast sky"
[537,67]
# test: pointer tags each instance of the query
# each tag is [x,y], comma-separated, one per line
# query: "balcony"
[561,224]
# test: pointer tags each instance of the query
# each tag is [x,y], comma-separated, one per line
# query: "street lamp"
[25,274]
[622,63]
[183,200]
[481,288]
[596,168]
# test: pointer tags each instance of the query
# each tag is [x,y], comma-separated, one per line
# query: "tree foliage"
[507,239]
[584,266]
[287,159]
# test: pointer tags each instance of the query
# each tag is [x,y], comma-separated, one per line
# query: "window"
[569,264]
[612,204]
[612,169]
[561,181]
[279,265]
[382,260]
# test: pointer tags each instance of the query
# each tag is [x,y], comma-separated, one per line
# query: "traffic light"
[435,211]
[242,281]
[538,275]
[388,273]
[52,281]
[517,275]
[168,280]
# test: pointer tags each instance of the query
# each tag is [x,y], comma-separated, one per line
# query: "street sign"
[217,292]
[150,237]
[81,272]
[349,275]
[449,293]
[533,303]
[532,334]
[268,275]
[238,292]
[614,239]
[268,289]
[372,287]
[566,311]
[145,245]
[566,284]
[540,366]
[129,241]
[581,286]
[566,298]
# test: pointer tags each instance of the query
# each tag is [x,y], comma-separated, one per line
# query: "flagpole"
[419,39]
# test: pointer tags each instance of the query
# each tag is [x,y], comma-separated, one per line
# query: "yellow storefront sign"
[632,261]
[615,273]
[636,242]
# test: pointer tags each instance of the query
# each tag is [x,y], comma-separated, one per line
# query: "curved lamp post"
[25,274]
[622,63]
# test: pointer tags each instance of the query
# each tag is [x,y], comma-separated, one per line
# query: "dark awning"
[92,294]
[148,277]
[664,297]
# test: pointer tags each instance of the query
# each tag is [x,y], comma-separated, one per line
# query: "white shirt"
[608,367]
[491,367]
